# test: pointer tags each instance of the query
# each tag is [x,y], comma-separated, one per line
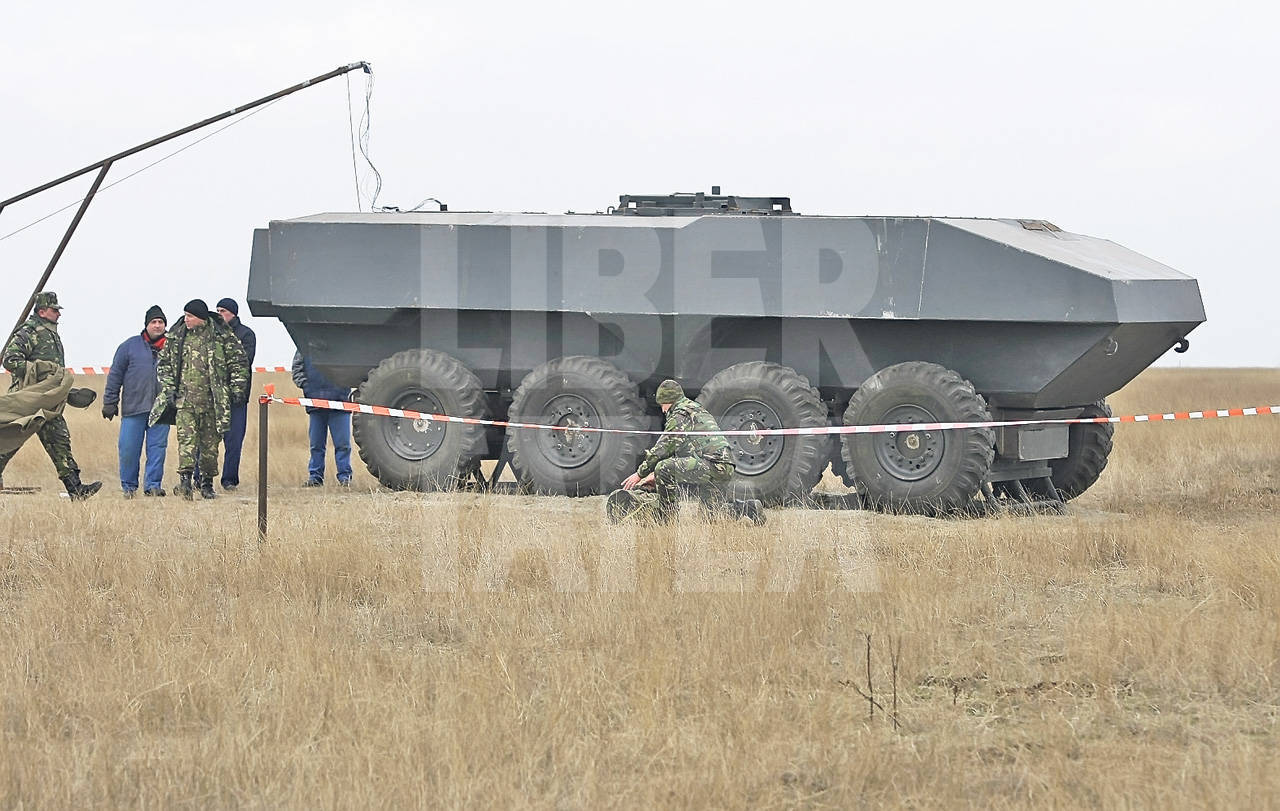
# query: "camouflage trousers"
[56,438]
[198,439]
[707,481]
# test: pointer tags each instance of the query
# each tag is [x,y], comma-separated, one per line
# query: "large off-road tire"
[924,472]
[774,469]
[1088,446]
[420,454]
[577,391]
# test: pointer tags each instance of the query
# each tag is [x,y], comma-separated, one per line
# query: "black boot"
[750,509]
[206,489]
[77,490]
[184,486]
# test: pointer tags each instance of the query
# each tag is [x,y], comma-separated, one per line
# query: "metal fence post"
[263,402]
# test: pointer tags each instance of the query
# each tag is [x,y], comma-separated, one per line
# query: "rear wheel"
[759,395]
[1088,447]
[576,392]
[420,454]
[928,471]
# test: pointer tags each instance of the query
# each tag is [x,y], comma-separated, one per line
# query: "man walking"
[703,464]
[202,372]
[37,340]
[229,311]
[131,390]
[324,423]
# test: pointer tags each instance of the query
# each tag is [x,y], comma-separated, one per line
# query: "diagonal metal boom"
[62,246]
[103,165]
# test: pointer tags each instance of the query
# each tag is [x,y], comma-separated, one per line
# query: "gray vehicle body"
[1040,320]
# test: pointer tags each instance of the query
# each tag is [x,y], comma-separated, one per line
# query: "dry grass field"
[394,649]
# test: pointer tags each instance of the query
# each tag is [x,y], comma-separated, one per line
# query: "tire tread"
[978,448]
[456,378]
[812,453]
[629,415]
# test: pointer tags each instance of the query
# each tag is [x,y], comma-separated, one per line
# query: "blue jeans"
[338,425]
[233,439]
[133,432]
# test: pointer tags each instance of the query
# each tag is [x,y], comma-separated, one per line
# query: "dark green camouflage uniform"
[702,464]
[37,339]
[214,376]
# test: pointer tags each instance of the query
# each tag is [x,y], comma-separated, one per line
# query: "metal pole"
[62,246]
[190,128]
[105,164]
[262,467]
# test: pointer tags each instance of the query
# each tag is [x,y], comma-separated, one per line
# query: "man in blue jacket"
[324,422]
[131,390]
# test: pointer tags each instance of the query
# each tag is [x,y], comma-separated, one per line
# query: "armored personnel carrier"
[771,318]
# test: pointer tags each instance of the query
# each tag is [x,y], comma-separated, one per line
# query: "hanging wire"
[365,121]
[75,203]
[351,132]
[419,206]
[360,136]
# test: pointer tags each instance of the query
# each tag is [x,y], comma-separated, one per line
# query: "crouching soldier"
[700,463]
[202,372]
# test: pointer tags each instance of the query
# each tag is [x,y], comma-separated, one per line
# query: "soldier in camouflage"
[202,371]
[37,339]
[703,464]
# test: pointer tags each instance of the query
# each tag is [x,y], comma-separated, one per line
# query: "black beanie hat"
[154,312]
[229,304]
[198,308]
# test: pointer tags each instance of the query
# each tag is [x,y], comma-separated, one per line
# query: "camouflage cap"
[48,298]
[669,391]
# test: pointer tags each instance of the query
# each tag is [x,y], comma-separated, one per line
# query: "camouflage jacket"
[687,415]
[36,339]
[210,356]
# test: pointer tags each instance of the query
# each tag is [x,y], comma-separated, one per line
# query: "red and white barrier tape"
[384,411]
[102,370]
[361,408]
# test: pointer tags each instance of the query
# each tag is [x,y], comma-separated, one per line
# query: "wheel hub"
[569,448]
[415,439]
[910,455]
[752,455]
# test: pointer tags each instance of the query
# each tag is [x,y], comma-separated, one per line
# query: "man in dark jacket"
[324,422]
[131,390]
[233,439]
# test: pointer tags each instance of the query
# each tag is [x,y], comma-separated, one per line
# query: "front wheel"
[928,471]
[1088,447]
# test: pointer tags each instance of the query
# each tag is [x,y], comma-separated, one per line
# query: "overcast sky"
[1145,124]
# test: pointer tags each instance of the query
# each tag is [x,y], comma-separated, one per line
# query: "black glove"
[81,398]
[110,410]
